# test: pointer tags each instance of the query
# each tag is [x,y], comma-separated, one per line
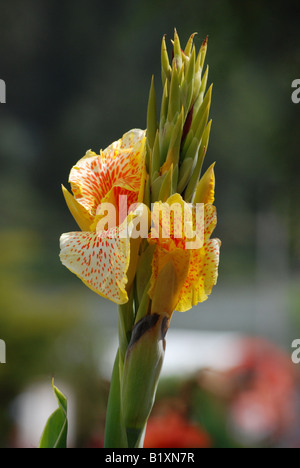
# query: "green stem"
[136,437]
[115,436]
[125,324]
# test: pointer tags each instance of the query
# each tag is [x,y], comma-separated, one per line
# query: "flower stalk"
[149,278]
[176,147]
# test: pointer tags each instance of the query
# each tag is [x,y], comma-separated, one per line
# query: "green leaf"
[56,429]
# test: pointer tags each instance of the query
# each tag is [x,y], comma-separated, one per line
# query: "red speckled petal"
[200,264]
[202,275]
[210,217]
[120,167]
[99,260]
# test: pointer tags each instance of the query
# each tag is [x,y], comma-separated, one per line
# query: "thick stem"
[125,325]
[142,367]
[115,436]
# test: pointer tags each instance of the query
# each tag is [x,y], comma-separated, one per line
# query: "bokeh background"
[77,77]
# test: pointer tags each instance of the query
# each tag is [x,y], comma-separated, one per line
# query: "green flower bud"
[143,363]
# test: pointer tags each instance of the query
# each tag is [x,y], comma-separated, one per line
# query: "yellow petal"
[119,167]
[79,213]
[196,268]
[205,190]
[210,269]
[202,276]
[210,220]
[167,220]
[169,271]
[100,260]
[178,224]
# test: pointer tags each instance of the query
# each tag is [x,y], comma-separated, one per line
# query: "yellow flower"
[184,272]
[98,255]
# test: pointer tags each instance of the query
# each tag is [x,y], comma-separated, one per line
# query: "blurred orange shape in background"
[172,430]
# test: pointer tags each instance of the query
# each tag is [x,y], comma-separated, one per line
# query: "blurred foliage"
[46,333]
[77,77]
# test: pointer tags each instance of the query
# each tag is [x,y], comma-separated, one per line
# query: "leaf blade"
[56,429]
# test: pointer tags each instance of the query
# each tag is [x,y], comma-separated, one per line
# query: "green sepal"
[192,151]
[175,175]
[165,134]
[184,174]
[156,186]
[187,87]
[194,137]
[164,106]
[165,64]
[156,163]
[189,44]
[203,50]
[197,78]
[173,153]
[152,123]
[174,97]
[166,186]
[201,117]
[147,199]
[204,80]
[144,304]
[189,192]
[144,271]
[177,51]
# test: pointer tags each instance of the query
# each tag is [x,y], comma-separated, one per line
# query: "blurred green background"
[77,77]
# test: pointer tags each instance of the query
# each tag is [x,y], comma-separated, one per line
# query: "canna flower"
[188,273]
[98,254]
[110,197]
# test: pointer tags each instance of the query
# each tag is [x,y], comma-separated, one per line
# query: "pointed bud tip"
[204,43]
